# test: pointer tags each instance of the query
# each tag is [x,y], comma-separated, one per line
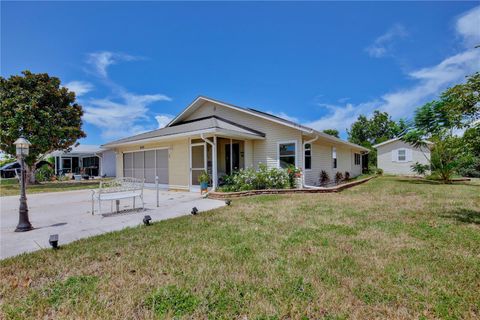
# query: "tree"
[39,108]
[332,132]
[379,128]
[457,108]
[470,167]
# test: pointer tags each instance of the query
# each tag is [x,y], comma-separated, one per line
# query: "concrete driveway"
[68,214]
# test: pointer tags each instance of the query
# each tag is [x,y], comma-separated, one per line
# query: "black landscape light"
[146,220]
[53,240]
[194,211]
[228,202]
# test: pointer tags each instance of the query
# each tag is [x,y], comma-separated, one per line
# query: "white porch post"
[214,164]
[56,171]
[61,163]
[231,155]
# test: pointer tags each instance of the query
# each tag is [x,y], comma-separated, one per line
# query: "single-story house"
[90,160]
[395,156]
[220,137]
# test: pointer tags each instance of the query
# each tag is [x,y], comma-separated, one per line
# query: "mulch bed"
[227,195]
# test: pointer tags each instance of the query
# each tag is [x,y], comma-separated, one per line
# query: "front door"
[198,163]
[232,164]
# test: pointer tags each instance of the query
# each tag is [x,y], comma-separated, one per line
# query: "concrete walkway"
[68,214]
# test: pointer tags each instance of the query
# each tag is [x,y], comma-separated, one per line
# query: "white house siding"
[322,160]
[264,151]
[384,158]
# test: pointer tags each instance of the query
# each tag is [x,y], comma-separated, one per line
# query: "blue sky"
[135,65]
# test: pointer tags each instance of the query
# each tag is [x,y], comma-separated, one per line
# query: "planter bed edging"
[238,194]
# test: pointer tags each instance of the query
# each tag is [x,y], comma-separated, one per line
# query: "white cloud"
[468,26]
[100,61]
[430,82]
[124,116]
[384,44]
[163,119]
[124,113]
[79,87]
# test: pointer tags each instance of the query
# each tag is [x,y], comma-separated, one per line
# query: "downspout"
[214,159]
[303,176]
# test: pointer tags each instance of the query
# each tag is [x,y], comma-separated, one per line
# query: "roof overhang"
[201,99]
[396,139]
[176,136]
[337,140]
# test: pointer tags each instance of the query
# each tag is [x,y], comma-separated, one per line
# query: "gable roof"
[393,140]
[178,127]
[201,99]
[264,115]
[205,125]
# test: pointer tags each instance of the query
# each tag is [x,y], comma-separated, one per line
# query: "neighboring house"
[396,157]
[88,159]
[220,138]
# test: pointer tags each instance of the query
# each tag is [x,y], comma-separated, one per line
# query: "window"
[308,156]
[357,159]
[286,154]
[402,155]
[334,157]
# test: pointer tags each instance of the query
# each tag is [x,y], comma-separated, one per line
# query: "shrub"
[250,179]
[204,177]
[379,171]
[347,175]
[338,177]
[324,178]
[293,173]
[420,169]
[44,173]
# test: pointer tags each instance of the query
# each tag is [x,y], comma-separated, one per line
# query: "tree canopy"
[332,132]
[457,108]
[379,128]
[37,107]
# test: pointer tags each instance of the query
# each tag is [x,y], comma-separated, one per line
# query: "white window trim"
[278,151]
[336,157]
[304,156]
[398,155]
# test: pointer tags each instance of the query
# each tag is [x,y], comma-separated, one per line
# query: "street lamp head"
[22,146]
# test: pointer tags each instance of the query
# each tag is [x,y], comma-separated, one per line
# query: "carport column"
[214,169]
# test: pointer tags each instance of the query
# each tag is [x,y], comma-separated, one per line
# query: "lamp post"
[24,224]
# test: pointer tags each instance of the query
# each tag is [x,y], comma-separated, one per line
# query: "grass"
[390,248]
[11,187]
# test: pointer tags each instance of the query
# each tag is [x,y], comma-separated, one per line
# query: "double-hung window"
[287,154]
[308,156]
[334,157]
[402,155]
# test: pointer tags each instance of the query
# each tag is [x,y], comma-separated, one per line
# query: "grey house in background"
[88,159]
[396,157]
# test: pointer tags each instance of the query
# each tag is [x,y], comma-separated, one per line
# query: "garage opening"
[146,165]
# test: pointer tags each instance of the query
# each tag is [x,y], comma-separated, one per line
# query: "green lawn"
[11,187]
[390,248]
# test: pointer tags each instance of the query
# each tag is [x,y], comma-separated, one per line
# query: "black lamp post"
[24,224]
